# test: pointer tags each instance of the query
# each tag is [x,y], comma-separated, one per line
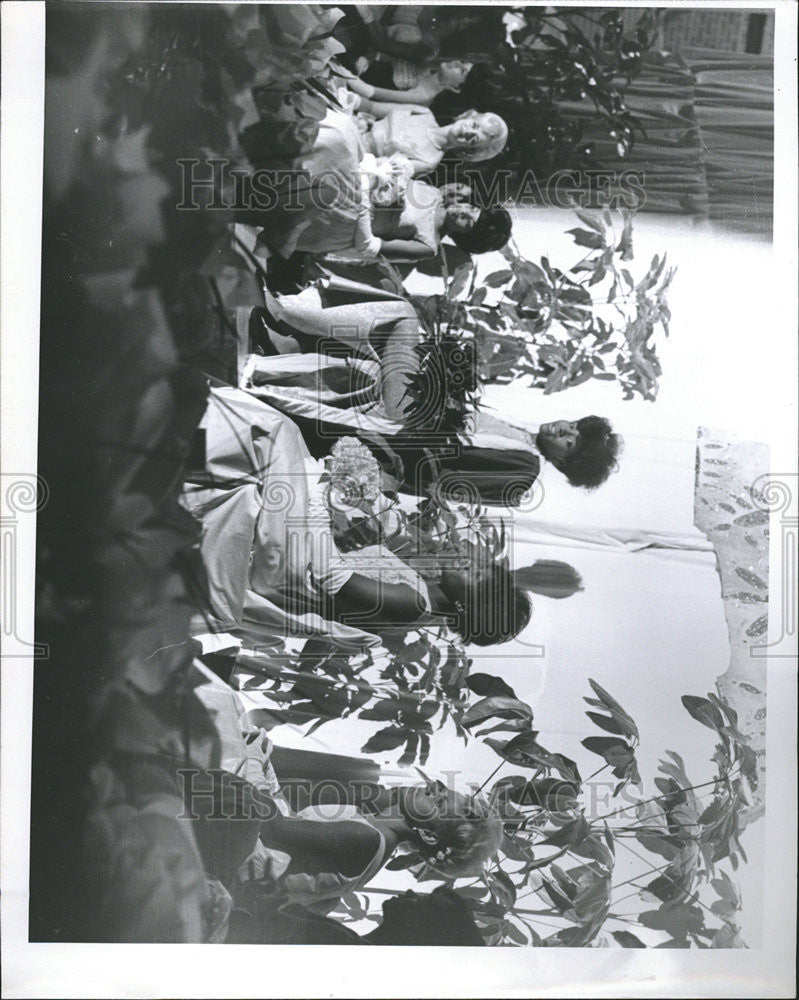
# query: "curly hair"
[495,610]
[465,841]
[590,464]
[491,231]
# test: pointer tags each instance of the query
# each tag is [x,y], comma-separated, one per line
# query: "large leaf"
[615,751]
[606,722]
[525,751]
[459,281]
[570,833]
[506,726]
[594,221]
[592,847]
[502,889]
[677,919]
[586,238]
[561,901]
[703,711]
[497,707]
[628,940]
[386,739]
[497,278]
[607,701]
[488,686]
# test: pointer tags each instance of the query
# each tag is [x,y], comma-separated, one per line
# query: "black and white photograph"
[399,499]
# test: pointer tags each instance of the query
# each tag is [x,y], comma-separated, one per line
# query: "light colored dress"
[415,219]
[321,213]
[319,892]
[266,541]
[407,130]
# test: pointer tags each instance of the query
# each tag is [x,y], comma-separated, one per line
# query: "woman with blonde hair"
[324,201]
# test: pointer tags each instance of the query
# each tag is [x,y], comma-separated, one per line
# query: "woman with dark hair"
[491,607]
[271,566]
[491,461]
[326,851]
[413,229]
[586,451]
[490,230]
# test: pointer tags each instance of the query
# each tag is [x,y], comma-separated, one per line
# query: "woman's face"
[558,439]
[453,193]
[453,73]
[461,217]
[470,133]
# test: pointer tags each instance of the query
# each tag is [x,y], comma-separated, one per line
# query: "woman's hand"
[365,240]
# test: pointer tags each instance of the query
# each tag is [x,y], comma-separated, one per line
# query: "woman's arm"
[379,109]
[343,846]
[420,94]
[405,249]
[363,601]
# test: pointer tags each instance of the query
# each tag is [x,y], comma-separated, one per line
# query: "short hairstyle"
[596,456]
[491,231]
[496,609]
[466,841]
[498,137]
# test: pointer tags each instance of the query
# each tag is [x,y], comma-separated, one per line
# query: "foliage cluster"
[594,320]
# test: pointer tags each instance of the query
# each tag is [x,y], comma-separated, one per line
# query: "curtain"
[708,147]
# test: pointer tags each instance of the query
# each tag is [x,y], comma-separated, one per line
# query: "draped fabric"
[708,143]
[735,111]
[261,524]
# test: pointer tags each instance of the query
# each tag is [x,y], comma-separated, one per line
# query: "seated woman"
[413,229]
[414,132]
[321,202]
[449,75]
[492,461]
[325,852]
[252,844]
[272,568]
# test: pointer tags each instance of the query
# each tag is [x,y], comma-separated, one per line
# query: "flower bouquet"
[387,178]
[354,474]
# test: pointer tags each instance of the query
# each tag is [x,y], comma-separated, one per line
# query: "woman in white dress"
[272,567]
